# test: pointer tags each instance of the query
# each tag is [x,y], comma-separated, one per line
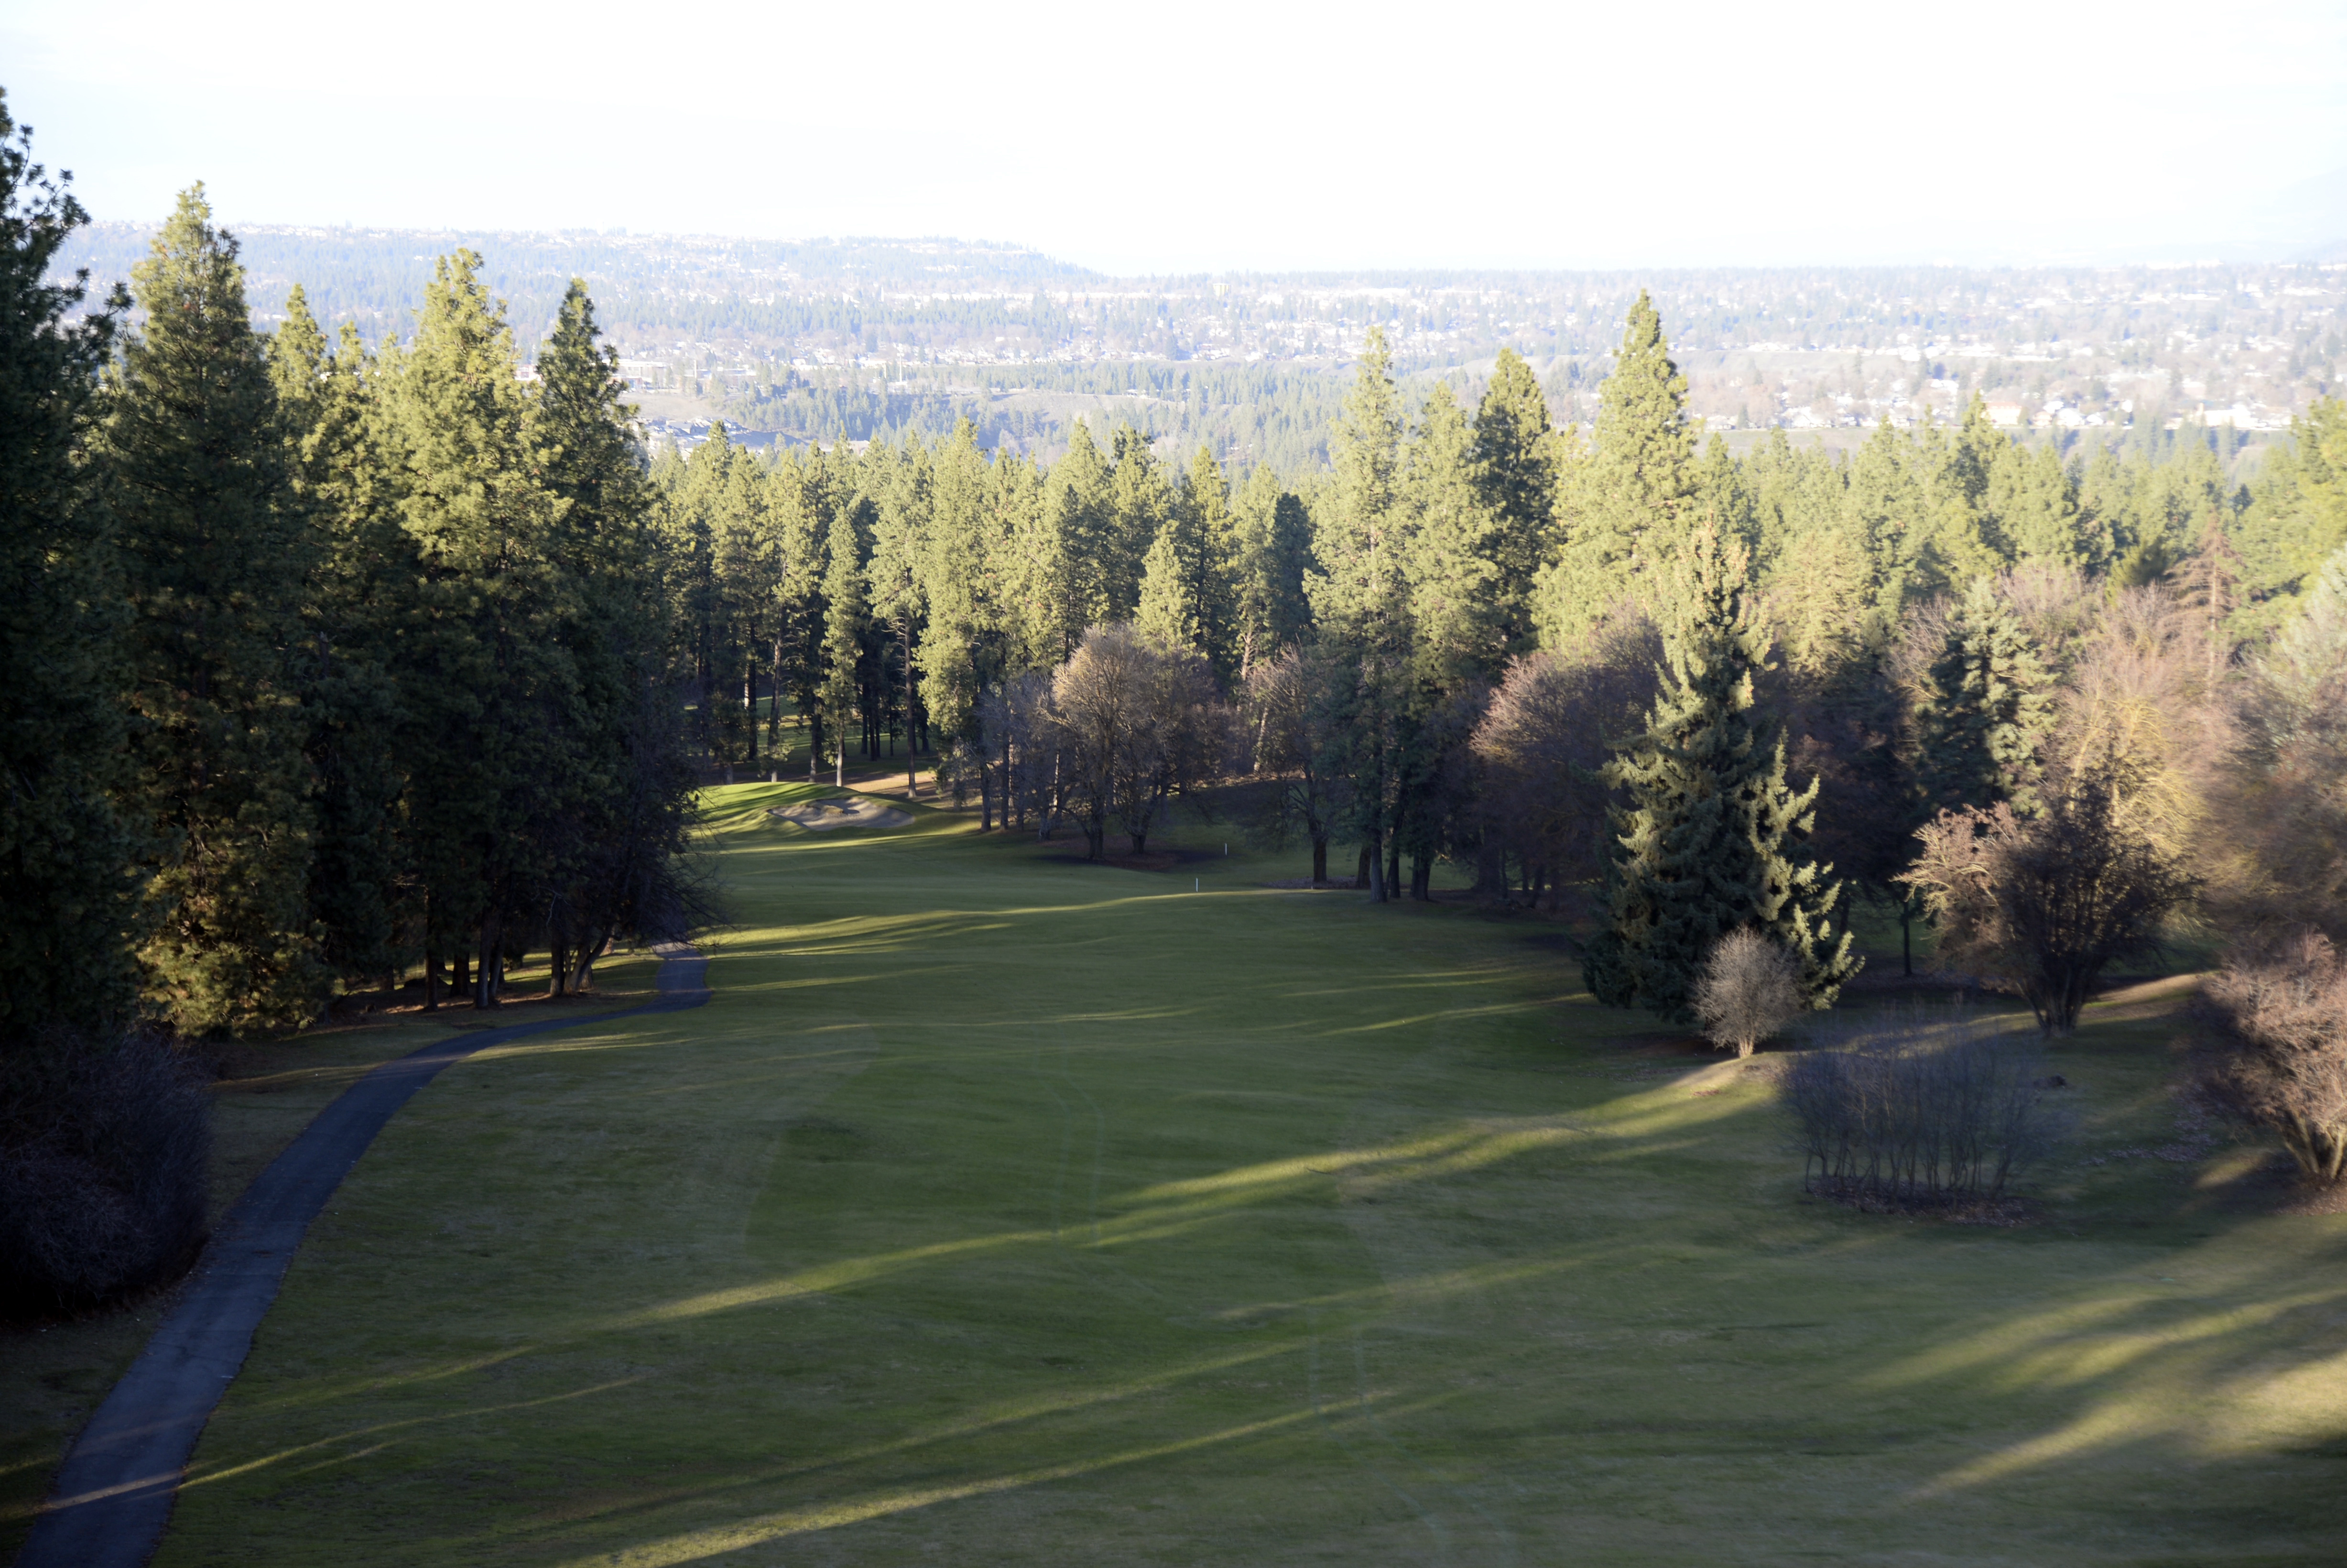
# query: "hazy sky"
[1219,136]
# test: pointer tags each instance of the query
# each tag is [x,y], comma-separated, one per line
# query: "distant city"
[855,339]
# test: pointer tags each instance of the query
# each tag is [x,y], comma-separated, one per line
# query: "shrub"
[1916,1111]
[1749,988]
[104,1150]
[2273,1049]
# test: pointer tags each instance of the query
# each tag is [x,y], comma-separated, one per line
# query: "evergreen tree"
[1361,605]
[217,555]
[610,865]
[1139,501]
[1517,457]
[1702,833]
[67,881]
[486,681]
[1457,582]
[1965,540]
[346,664]
[1274,545]
[962,649]
[2035,503]
[1983,711]
[843,634]
[1187,589]
[1635,500]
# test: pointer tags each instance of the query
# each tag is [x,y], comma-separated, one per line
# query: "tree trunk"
[1392,888]
[814,742]
[749,704]
[1380,882]
[431,979]
[558,968]
[1361,871]
[1422,878]
[1320,861]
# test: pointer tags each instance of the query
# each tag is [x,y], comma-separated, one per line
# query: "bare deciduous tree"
[1138,724]
[2273,1049]
[2047,902]
[1749,989]
[1547,732]
[1288,729]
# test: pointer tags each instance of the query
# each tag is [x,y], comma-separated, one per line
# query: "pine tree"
[1983,711]
[68,882]
[219,553]
[1453,539]
[1273,546]
[1965,541]
[346,658]
[1187,591]
[1517,456]
[1702,833]
[962,651]
[1636,499]
[1361,605]
[843,635]
[484,674]
[608,869]
[1139,503]
[2035,503]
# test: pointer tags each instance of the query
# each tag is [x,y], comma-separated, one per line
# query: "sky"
[1207,135]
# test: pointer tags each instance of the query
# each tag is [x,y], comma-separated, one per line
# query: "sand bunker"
[841,810]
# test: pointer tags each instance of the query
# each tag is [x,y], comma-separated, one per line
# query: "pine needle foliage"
[218,555]
[1984,711]
[1702,832]
[66,853]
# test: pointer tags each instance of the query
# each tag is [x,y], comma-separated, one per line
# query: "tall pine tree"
[218,554]
[1984,709]
[1361,603]
[1635,499]
[1517,457]
[67,883]
[1702,836]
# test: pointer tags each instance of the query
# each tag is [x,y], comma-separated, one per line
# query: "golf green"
[999,1209]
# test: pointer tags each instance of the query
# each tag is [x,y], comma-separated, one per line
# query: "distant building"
[2004,415]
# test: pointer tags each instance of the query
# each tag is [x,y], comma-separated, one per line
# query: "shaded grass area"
[53,1375]
[1001,1210]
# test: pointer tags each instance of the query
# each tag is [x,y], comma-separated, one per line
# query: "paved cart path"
[113,1495]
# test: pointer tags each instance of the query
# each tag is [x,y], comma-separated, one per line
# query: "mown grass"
[1003,1210]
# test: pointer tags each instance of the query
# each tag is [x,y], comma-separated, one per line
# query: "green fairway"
[1004,1210]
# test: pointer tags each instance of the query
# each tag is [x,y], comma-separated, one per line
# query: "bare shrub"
[2272,1053]
[104,1149]
[1918,1110]
[1749,989]
[2047,902]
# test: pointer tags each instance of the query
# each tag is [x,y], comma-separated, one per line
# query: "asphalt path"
[113,1495]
